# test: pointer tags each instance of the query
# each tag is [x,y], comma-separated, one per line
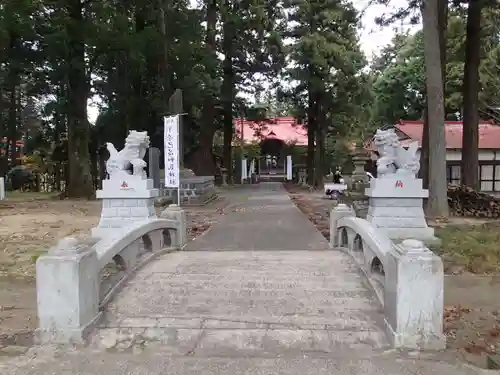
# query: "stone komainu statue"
[394,158]
[136,145]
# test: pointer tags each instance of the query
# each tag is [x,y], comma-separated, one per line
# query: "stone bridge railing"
[77,278]
[407,279]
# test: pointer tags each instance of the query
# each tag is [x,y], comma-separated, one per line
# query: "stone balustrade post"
[413,301]
[67,285]
[176,213]
[2,188]
[337,213]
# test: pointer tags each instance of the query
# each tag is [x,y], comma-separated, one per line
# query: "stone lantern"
[359,177]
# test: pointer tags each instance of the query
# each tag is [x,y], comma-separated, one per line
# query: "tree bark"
[139,111]
[12,116]
[312,114]
[59,128]
[203,163]
[437,205]
[470,152]
[163,6]
[80,176]
[13,124]
[320,155]
[424,151]
[311,135]
[320,138]
[227,93]
[4,153]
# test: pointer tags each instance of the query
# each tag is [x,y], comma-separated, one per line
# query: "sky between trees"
[373,37]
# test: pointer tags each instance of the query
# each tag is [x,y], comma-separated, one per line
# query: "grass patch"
[23,196]
[34,257]
[472,248]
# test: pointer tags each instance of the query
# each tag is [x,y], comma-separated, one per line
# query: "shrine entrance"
[273,159]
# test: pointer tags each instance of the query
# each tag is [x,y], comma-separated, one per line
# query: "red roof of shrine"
[283,128]
[489,133]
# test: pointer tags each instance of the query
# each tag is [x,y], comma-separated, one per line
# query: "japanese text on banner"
[171,139]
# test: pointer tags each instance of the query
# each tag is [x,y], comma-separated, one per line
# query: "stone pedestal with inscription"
[395,205]
[126,197]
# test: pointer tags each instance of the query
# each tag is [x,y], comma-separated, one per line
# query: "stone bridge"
[261,292]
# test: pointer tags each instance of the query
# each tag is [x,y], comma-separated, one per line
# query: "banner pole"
[178,163]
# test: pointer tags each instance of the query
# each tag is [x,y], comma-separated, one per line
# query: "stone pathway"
[262,218]
[260,293]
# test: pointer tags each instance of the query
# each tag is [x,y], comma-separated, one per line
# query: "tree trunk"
[437,205]
[122,101]
[470,154]
[163,6]
[4,153]
[80,176]
[424,151]
[320,156]
[203,163]
[12,116]
[203,159]
[13,123]
[320,139]
[122,98]
[227,93]
[312,119]
[59,128]
[311,135]
[139,108]
[94,168]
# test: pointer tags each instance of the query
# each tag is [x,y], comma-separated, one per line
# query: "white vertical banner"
[289,167]
[171,144]
[244,170]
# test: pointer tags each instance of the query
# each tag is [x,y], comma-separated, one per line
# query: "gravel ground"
[29,228]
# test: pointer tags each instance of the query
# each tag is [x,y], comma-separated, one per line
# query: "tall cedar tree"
[437,205]
[324,52]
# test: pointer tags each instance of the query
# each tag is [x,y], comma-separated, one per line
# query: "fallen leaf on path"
[479,348]
[495,331]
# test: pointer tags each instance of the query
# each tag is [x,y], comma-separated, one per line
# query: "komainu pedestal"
[396,206]
[126,197]
[396,195]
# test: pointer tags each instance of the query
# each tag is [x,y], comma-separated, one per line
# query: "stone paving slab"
[350,320]
[87,362]
[263,217]
[236,342]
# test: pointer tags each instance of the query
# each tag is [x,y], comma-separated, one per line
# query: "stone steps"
[246,304]
[344,320]
[237,342]
[91,362]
